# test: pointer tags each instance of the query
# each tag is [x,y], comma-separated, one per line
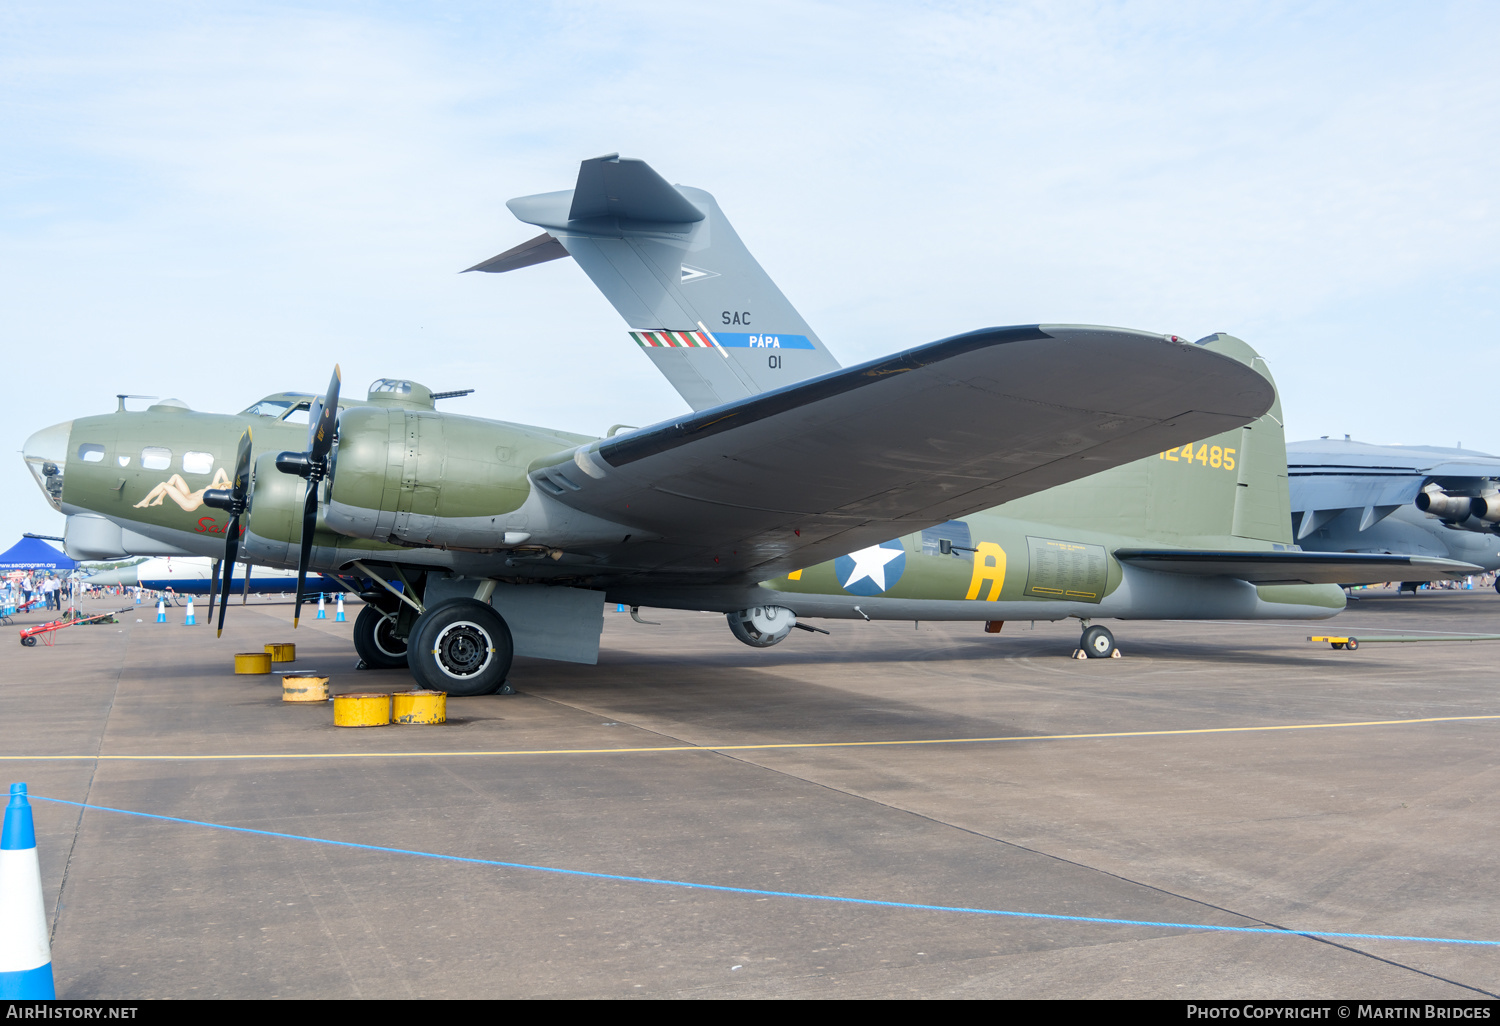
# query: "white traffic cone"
[322,607]
[25,954]
[339,617]
[161,610]
[191,620]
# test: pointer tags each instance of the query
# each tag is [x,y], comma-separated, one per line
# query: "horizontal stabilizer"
[610,187]
[803,474]
[1296,567]
[533,251]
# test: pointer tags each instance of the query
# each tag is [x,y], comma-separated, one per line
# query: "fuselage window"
[91,453]
[197,462]
[954,532]
[154,457]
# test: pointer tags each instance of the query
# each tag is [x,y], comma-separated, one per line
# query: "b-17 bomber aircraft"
[1037,472]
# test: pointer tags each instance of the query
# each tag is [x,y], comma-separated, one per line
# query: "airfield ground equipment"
[1352,643]
[252,662]
[304,687]
[361,709]
[46,630]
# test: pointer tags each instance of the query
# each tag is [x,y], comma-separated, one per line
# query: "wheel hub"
[385,638]
[463,649]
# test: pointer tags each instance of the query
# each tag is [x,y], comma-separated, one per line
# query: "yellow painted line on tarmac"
[739,748]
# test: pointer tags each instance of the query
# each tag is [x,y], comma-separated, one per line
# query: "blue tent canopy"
[34,554]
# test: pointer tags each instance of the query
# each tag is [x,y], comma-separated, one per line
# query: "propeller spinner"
[234,500]
[313,465]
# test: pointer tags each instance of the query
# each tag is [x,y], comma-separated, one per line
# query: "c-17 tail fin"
[667,259]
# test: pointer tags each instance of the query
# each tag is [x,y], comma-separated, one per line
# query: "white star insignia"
[871,563]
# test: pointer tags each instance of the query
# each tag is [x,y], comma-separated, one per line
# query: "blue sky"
[214,201]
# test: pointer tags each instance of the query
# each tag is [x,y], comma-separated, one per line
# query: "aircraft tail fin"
[667,259]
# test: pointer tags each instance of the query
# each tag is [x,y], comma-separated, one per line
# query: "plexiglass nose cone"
[46,453]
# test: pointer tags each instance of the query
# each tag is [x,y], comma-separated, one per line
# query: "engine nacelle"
[1440,504]
[1486,508]
[273,521]
[762,626]
[421,478]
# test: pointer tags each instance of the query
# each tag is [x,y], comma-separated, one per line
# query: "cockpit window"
[269,408]
[394,386]
[298,414]
[91,453]
[154,457]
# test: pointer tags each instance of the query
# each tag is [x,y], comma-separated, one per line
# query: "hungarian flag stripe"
[663,339]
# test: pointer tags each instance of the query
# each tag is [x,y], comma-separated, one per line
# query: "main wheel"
[1097,643]
[375,641]
[29,641]
[462,647]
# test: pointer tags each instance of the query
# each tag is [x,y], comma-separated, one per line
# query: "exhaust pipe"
[1444,506]
[1486,508]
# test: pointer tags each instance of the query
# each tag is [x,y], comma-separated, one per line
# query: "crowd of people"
[33,589]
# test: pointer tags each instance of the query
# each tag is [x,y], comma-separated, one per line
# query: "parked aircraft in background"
[1350,496]
[193,575]
[914,486]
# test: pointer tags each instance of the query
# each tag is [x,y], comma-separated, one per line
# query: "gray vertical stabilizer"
[668,260]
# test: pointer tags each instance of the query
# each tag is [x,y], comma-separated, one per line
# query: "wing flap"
[1297,567]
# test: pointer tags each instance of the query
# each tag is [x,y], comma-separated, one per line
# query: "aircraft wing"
[1333,479]
[1297,567]
[829,465]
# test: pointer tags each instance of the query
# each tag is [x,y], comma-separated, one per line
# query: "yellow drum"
[282,651]
[359,709]
[252,662]
[419,707]
[304,688]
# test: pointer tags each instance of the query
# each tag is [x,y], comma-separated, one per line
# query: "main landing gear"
[1097,643]
[461,646]
[375,639]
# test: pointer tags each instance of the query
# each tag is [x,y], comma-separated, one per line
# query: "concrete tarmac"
[1252,779]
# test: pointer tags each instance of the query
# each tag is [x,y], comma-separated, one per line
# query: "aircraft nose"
[46,453]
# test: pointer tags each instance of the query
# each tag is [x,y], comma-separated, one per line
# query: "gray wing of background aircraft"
[1353,497]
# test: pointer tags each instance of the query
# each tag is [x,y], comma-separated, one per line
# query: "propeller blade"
[309,522]
[239,495]
[241,486]
[231,551]
[213,592]
[323,422]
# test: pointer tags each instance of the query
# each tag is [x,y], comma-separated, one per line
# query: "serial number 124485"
[1208,455]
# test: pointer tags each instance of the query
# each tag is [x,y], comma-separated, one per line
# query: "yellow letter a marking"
[989,565]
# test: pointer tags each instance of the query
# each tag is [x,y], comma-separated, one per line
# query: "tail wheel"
[462,647]
[1097,643]
[375,640]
